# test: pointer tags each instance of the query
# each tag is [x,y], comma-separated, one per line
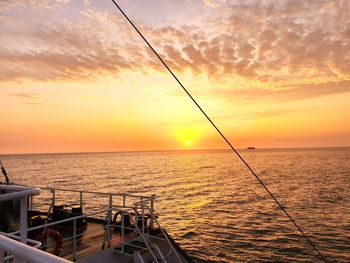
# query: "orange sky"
[75,77]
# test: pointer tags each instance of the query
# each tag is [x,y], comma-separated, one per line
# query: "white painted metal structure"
[136,207]
[23,253]
[19,192]
[20,251]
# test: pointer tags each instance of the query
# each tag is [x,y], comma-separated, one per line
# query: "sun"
[187,136]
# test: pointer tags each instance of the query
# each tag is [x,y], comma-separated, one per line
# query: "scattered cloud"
[259,115]
[39,103]
[25,95]
[295,93]
[300,47]
[241,116]
[30,98]
[7,5]
[214,3]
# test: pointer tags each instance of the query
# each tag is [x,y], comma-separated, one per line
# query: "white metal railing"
[13,192]
[123,199]
[24,253]
[16,192]
[74,236]
[144,236]
[109,225]
[33,243]
[142,209]
[172,249]
[22,193]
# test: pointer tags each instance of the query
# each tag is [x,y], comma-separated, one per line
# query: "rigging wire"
[222,135]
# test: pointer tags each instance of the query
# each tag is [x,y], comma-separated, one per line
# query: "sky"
[75,77]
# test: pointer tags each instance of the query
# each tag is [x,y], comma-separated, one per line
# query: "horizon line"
[175,150]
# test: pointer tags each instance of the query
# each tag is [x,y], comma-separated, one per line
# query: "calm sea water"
[209,202]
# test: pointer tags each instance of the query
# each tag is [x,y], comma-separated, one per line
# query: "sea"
[211,204]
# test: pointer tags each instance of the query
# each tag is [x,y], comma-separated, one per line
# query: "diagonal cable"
[222,135]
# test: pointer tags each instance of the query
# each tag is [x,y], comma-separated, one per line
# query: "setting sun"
[188,135]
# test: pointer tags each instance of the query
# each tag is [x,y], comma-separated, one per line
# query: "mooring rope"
[222,135]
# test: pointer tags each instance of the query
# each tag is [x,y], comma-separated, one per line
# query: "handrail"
[144,199]
[71,219]
[64,220]
[36,243]
[20,192]
[14,247]
[166,237]
[27,253]
[95,192]
[141,203]
[143,236]
[113,208]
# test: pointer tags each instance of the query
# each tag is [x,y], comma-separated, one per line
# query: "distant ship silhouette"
[250,148]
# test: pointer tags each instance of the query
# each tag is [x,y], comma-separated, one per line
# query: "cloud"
[62,52]
[39,103]
[30,98]
[289,45]
[214,3]
[245,116]
[258,115]
[295,93]
[266,42]
[6,5]
[25,95]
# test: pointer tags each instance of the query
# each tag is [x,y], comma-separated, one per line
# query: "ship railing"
[120,199]
[140,213]
[143,209]
[31,242]
[166,238]
[10,249]
[134,216]
[19,192]
[75,237]
[21,253]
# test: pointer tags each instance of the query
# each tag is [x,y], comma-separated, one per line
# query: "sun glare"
[187,136]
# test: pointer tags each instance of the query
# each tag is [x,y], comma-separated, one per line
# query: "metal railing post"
[137,229]
[152,211]
[74,240]
[143,216]
[167,239]
[23,220]
[122,231]
[31,202]
[108,229]
[53,200]
[136,219]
